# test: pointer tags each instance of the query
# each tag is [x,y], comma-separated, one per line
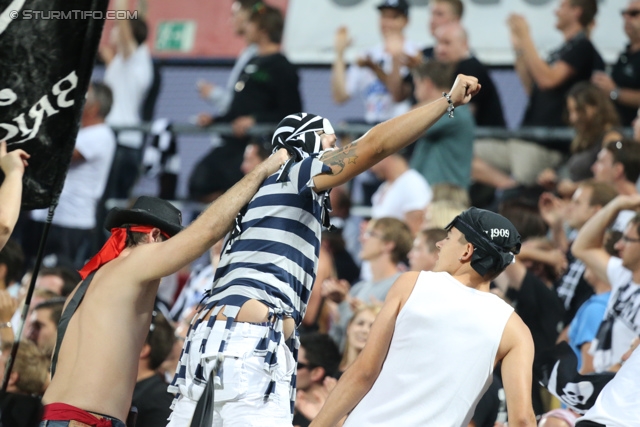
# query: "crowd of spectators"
[577,278]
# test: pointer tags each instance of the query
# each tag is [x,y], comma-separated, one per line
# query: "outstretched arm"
[588,246]
[390,136]
[359,378]
[162,259]
[516,353]
[12,164]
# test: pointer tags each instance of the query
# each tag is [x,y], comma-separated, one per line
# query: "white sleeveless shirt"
[441,357]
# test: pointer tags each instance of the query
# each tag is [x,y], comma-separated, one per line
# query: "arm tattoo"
[338,159]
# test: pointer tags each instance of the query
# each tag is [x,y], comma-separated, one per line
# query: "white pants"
[240,402]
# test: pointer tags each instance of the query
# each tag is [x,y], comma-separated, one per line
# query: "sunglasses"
[631,13]
[306,366]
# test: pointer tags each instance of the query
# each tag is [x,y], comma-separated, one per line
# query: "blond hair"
[439,214]
[31,365]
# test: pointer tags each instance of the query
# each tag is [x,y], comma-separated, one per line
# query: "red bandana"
[112,248]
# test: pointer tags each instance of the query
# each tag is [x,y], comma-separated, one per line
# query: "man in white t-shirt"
[404,193]
[368,77]
[129,74]
[621,323]
[72,228]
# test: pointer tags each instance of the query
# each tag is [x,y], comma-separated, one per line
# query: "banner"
[311,26]
[47,52]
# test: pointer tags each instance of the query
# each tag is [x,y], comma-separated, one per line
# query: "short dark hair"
[627,153]
[55,305]
[321,351]
[440,73]
[264,150]
[13,257]
[601,192]
[589,10]
[70,278]
[525,217]
[103,96]
[139,29]
[160,339]
[248,4]
[268,19]
[456,5]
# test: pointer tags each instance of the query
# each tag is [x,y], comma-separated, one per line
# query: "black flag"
[47,52]
[561,378]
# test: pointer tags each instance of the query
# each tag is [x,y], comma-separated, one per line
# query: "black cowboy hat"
[147,211]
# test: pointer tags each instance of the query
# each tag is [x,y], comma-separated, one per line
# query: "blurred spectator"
[129,74]
[385,243]
[587,320]
[59,280]
[341,218]
[265,92]
[403,194]
[343,263]
[442,12]
[623,86]
[444,153]
[452,47]
[547,84]
[8,307]
[318,359]
[589,198]
[73,226]
[618,164]
[424,253]
[42,328]
[525,217]
[621,321]
[440,213]
[384,97]
[20,406]
[12,165]
[357,333]
[219,96]
[616,405]
[11,265]
[452,192]
[596,122]
[150,394]
[254,154]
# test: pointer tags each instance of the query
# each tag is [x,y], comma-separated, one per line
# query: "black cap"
[494,237]
[147,211]
[400,5]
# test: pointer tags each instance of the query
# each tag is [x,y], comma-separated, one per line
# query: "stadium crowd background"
[174,102]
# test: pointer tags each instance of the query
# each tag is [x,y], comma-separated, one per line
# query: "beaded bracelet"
[450,108]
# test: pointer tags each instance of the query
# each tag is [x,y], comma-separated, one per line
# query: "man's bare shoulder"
[516,336]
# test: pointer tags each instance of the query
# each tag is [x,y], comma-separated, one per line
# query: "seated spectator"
[20,406]
[403,194]
[596,122]
[424,253]
[357,333]
[618,164]
[11,265]
[444,153]
[385,244]
[150,394]
[318,359]
[43,324]
[623,85]
[59,280]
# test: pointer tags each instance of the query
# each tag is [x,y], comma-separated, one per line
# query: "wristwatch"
[614,94]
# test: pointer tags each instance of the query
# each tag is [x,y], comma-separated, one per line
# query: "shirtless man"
[242,344]
[432,348]
[98,359]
